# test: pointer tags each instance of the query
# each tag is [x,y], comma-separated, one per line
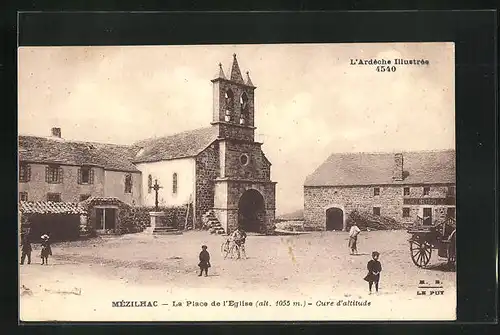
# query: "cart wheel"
[451,251]
[421,252]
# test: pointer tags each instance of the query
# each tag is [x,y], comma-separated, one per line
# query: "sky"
[309,102]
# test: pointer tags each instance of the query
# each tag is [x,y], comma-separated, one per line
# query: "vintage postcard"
[269,182]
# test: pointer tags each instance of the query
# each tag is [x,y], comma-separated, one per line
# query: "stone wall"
[69,189]
[207,169]
[390,200]
[257,166]
[220,88]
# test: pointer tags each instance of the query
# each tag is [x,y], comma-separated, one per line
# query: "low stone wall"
[175,216]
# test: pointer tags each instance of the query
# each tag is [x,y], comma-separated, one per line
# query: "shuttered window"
[53,174]
[85,175]
[24,173]
[55,197]
[23,196]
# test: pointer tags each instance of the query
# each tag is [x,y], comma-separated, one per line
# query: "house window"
[23,196]
[427,190]
[150,183]
[24,173]
[53,174]
[376,210]
[406,212]
[376,191]
[406,191]
[451,191]
[128,183]
[85,175]
[174,183]
[450,212]
[55,197]
[84,197]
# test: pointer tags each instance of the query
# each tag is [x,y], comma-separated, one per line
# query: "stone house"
[220,170]
[54,169]
[403,186]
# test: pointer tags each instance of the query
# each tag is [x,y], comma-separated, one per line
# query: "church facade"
[219,169]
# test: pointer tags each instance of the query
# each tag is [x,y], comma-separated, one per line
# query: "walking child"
[25,248]
[204,261]
[353,239]
[374,268]
[46,249]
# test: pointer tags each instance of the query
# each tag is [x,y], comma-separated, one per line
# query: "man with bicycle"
[239,237]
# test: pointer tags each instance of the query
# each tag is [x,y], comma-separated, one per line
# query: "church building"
[220,169]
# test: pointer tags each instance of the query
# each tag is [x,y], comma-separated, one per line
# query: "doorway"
[105,218]
[334,219]
[427,216]
[251,211]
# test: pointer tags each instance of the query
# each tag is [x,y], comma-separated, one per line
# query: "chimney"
[397,174]
[56,132]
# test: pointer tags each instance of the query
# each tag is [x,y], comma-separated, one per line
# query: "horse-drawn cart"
[425,238]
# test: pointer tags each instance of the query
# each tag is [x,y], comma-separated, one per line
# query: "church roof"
[182,145]
[46,150]
[352,169]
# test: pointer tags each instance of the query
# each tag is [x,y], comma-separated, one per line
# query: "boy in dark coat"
[204,261]
[25,248]
[374,268]
[46,250]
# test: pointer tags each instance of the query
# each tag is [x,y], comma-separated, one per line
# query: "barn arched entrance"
[251,211]
[334,219]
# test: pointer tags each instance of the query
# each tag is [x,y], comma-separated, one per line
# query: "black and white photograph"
[246,182]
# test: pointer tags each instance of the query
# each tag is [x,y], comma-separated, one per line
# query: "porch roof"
[50,207]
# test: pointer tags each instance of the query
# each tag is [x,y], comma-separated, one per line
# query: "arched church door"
[251,211]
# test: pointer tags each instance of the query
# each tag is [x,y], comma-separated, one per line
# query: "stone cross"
[156,187]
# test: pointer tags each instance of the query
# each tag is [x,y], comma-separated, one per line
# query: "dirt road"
[85,277]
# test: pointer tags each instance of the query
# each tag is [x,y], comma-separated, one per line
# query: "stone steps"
[211,223]
[166,231]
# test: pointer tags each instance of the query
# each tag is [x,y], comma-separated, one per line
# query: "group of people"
[238,237]
[374,266]
[26,248]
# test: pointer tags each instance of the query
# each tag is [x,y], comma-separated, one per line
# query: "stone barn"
[402,186]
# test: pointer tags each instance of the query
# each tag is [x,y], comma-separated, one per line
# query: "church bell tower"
[244,195]
[233,111]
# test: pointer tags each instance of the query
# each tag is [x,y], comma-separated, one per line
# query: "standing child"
[353,239]
[46,249]
[374,268]
[204,261]
[25,248]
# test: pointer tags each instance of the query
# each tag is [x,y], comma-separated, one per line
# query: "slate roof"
[49,207]
[181,145]
[52,150]
[351,169]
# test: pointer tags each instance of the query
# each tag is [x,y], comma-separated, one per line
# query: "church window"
[128,183]
[244,159]
[229,104]
[150,183]
[174,183]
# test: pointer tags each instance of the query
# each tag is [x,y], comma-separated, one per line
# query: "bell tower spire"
[235,72]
